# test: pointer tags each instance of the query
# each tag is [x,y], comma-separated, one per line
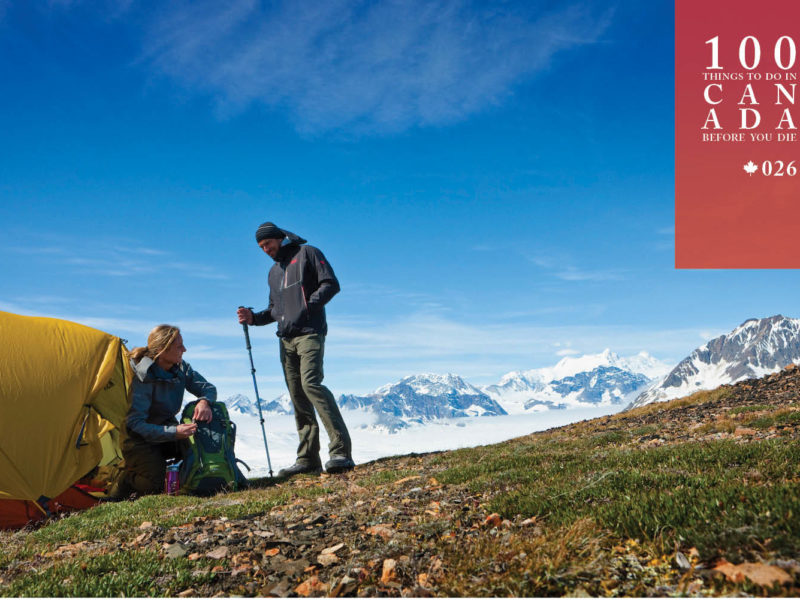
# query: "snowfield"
[371,442]
[406,416]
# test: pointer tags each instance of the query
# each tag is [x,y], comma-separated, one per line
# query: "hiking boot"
[339,464]
[121,489]
[300,468]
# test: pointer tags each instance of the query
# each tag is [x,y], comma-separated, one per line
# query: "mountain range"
[755,348]
[241,404]
[419,398]
[591,379]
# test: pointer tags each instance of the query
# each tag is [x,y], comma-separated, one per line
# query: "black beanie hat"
[269,230]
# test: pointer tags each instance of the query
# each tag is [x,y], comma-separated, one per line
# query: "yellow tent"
[64,395]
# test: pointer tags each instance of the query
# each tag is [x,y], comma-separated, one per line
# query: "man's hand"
[245,315]
[185,430]
[202,411]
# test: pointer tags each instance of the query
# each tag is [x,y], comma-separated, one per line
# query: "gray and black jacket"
[301,282]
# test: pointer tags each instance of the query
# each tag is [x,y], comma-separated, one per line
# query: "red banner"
[737,180]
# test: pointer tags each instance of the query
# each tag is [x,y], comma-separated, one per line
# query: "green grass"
[644,430]
[763,422]
[122,573]
[610,514]
[122,519]
[738,410]
[610,438]
[695,493]
[386,476]
[788,418]
[702,397]
[781,417]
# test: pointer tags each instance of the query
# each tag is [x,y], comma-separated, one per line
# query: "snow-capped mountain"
[602,385]
[420,398]
[592,379]
[241,404]
[603,379]
[754,349]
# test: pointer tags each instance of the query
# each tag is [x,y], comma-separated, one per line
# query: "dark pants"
[145,466]
[301,358]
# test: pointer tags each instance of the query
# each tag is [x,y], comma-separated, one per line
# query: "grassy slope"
[615,506]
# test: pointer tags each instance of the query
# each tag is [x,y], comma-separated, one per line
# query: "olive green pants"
[145,466]
[301,358]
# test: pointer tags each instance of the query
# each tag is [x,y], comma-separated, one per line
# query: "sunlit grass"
[608,510]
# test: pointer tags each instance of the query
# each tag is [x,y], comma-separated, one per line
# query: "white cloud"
[418,338]
[567,352]
[562,268]
[36,250]
[667,244]
[368,290]
[432,337]
[365,66]
[192,329]
[710,334]
[16,309]
[43,299]
[245,384]
[362,355]
[576,274]
[107,259]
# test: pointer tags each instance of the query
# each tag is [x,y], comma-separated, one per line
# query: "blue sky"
[492,182]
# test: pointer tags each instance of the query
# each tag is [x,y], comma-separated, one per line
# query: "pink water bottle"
[171,481]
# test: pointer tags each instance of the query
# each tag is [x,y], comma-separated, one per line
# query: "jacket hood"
[289,246]
[292,239]
[142,367]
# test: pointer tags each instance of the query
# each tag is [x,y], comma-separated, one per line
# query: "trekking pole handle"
[244,326]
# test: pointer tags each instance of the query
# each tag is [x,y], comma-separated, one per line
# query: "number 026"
[777,168]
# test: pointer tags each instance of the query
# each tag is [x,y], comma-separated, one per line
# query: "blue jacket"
[158,397]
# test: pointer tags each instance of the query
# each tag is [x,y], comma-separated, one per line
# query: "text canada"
[750,116]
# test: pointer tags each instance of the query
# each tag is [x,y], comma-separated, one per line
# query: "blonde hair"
[158,340]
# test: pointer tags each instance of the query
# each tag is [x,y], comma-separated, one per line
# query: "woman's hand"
[202,411]
[185,430]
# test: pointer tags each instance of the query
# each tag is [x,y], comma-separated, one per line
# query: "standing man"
[301,282]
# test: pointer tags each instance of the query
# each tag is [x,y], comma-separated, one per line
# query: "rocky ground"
[721,416]
[392,528]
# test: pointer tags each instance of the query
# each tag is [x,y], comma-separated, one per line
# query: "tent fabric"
[64,394]
[15,514]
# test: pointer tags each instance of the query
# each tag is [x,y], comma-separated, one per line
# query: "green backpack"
[209,464]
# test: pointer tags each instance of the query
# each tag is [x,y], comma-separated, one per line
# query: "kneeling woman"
[160,377]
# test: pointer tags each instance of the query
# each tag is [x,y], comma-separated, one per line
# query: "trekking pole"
[255,385]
